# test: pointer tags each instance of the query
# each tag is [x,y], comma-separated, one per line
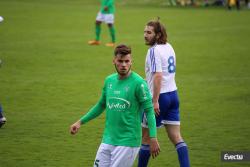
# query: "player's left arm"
[154,145]
[145,100]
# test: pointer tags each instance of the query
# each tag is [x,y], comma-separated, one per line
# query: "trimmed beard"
[151,42]
[122,74]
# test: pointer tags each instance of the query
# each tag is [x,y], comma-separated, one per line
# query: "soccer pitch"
[50,77]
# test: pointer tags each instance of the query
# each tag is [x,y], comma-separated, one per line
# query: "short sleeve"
[155,60]
[143,95]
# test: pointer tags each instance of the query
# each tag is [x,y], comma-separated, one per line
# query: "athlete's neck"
[121,77]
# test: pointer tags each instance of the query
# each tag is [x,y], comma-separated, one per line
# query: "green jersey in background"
[109,4]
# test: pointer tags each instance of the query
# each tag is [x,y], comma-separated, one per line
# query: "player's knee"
[98,22]
[175,137]
[110,25]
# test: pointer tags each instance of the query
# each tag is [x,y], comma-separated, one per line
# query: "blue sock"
[144,155]
[182,151]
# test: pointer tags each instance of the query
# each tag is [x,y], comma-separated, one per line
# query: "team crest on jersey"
[118,104]
[110,86]
[126,88]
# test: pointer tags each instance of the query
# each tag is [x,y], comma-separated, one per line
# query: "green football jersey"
[124,101]
[109,4]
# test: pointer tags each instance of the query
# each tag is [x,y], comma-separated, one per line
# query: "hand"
[75,127]
[154,147]
[106,8]
[156,108]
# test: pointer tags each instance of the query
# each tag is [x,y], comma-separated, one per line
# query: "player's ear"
[158,35]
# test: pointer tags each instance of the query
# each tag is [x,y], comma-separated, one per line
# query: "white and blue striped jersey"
[161,58]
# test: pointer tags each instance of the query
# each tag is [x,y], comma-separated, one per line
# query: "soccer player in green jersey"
[106,14]
[124,96]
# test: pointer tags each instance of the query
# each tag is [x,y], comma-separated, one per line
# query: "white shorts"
[107,18]
[115,156]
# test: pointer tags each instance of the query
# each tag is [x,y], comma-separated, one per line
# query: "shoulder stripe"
[152,59]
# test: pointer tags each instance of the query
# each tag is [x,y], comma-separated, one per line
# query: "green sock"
[112,33]
[97,32]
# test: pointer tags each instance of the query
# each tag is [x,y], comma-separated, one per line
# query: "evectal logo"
[119,104]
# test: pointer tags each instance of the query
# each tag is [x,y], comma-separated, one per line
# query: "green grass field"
[50,77]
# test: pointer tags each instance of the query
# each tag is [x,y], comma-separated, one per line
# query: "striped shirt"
[161,58]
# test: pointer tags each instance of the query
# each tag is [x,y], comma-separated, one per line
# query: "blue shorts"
[169,110]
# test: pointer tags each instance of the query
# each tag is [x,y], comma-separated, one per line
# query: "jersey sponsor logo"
[127,88]
[117,92]
[118,104]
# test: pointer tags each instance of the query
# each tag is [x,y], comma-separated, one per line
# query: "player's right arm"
[157,79]
[156,70]
[94,112]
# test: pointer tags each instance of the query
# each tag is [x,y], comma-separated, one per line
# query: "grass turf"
[50,77]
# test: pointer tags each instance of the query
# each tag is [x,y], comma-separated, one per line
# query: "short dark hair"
[122,49]
[159,30]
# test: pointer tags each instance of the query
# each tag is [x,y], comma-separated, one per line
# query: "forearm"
[151,122]
[157,86]
[93,113]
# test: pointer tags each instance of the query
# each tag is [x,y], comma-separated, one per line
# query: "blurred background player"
[106,14]
[2,118]
[160,69]
[124,94]
[231,3]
